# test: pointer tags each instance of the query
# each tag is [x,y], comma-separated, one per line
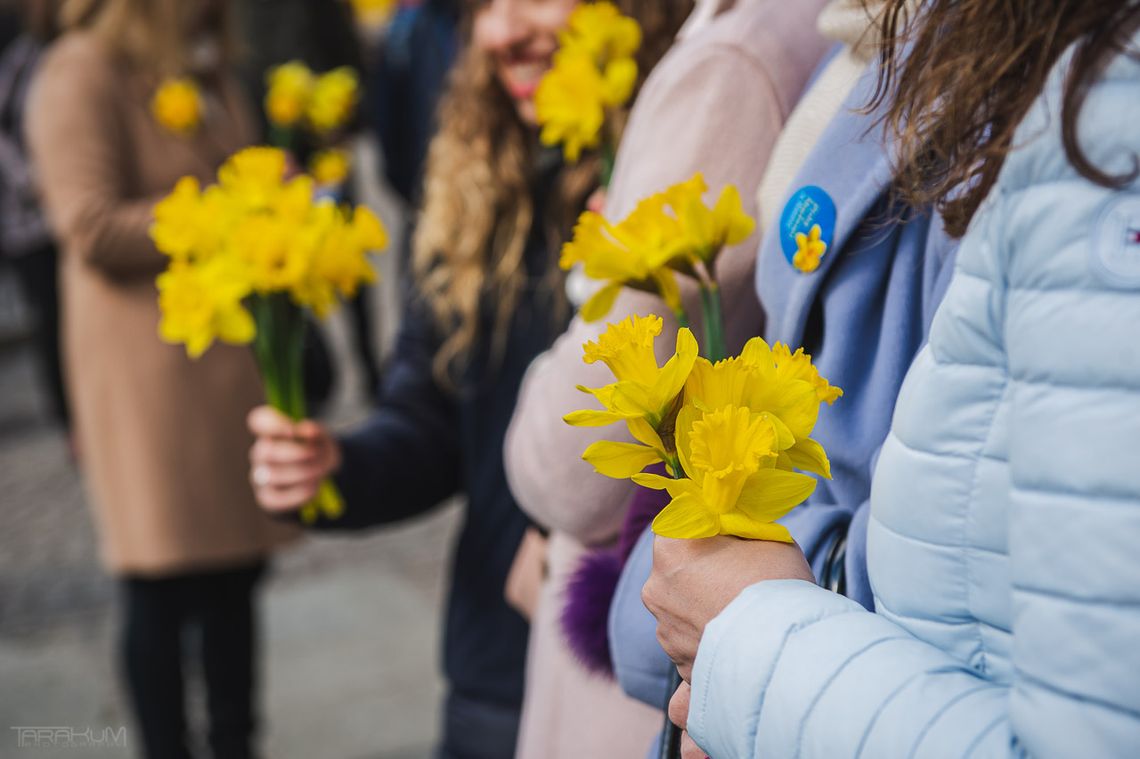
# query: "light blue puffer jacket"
[1004,540]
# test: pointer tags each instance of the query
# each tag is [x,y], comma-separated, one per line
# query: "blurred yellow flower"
[177,105]
[330,167]
[290,87]
[373,12]
[708,230]
[670,231]
[273,235]
[602,31]
[593,73]
[332,102]
[632,253]
[202,303]
[733,488]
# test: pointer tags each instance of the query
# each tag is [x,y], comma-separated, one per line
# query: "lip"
[522,87]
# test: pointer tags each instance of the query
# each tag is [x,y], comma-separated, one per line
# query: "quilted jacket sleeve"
[789,669]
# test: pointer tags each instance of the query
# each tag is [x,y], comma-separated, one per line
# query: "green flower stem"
[682,317]
[606,173]
[714,346]
[279,349]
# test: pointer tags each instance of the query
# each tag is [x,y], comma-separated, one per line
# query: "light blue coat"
[1004,536]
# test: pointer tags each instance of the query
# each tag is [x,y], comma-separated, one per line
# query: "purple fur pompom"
[589,594]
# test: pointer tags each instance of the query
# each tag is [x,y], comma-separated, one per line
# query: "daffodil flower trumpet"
[247,256]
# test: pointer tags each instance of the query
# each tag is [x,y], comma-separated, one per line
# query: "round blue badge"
[807,228]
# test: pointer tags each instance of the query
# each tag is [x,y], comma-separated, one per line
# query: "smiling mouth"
[522,78]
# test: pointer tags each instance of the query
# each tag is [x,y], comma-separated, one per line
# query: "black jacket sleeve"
[404,459]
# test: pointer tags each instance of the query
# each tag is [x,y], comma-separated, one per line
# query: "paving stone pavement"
[350,661]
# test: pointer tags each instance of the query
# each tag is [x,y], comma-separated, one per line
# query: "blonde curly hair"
[478,209]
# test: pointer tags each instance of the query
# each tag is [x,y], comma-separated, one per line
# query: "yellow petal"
[771,493]
[236,326]
[675,488]
[591,418]
[600,303]
[683,430]
[643,432]
[685,517]
[809,456]
[677,369]
[735,225]
[740,525]
[620,460]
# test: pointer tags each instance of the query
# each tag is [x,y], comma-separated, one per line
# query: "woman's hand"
[289,459]
[679,716]
[693,580]
[527,574]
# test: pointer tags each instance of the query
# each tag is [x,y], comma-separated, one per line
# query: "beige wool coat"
[162,439]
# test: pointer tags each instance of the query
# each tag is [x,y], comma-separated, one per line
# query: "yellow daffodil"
[634,253]
[330,167]
[290,87]
[340,263]
[798,365]
[602,31]
[332,100]
[708,230]
[733,486]
[645,396]
[253,177]
[373,12]
[203,302]
[809,250]
[178,220]
[177,105]
[569,106]
[791,396]
[593,72]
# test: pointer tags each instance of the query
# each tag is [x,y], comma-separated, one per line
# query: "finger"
[310,431]
[280,500]
[275,451]
[266,421]
[679,706]
[283,476]
[690,749]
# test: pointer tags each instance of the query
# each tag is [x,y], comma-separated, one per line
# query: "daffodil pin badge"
[807,228]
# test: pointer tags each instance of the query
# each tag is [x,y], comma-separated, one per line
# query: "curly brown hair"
[478,208]
[955,99]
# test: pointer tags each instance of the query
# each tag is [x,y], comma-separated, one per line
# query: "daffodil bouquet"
[733,432]
[301,105]
[593,75]
[248,255]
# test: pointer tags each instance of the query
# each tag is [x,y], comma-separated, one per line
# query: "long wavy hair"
[974,68]
[478,208]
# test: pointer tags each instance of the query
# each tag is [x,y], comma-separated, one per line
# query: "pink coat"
[716,104]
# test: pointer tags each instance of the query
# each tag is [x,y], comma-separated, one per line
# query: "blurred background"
[350,625]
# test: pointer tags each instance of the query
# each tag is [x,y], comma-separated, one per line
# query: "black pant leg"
[38,274]
[153,620]
[225,609]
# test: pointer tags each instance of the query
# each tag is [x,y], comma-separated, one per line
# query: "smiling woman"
[476,189]
[487,298]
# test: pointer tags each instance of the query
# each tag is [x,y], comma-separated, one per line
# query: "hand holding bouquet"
[247,256]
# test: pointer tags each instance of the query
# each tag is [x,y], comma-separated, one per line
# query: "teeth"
[527,72]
